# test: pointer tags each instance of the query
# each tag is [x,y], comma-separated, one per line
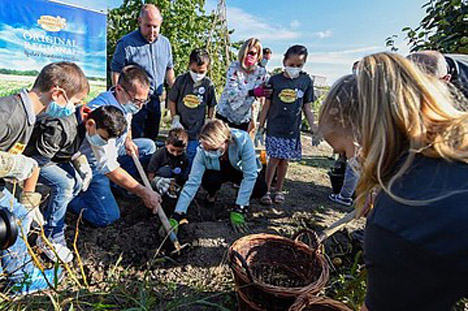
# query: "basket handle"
[235,254]
[315,242]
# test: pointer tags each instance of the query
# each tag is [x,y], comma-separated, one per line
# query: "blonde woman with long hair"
[245,81]
[414,150]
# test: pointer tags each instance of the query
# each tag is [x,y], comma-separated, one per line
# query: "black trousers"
[212,180]
[242,126]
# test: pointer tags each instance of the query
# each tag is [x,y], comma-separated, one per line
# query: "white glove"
[161,184]
[16,166]
[32,200]
[176,123]
[174,189]
[82,166]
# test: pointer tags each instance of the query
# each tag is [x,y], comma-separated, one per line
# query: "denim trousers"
[65,183]
[350,182]
[192,150]
[145,123]
[98,202]
[16,261]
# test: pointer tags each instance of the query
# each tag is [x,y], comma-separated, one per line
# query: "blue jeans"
[146,122]
[192,150]
[350,182]
[97,203]
[16,261]
[146,148]
[65,183]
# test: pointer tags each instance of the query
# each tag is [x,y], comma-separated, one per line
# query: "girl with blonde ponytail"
[414,149]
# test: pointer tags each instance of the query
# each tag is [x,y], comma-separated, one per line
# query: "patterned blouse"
[235,103]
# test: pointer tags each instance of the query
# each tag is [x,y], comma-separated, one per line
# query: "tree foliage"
[185,24]
[444,28]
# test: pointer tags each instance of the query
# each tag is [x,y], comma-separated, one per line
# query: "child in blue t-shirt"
[192,98]
[293,92]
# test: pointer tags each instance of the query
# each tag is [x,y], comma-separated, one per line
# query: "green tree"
[444,28]
[186,25]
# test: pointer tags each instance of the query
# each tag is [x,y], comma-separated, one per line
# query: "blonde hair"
[246,46]
[215,132]
[339,109]
[404,111]
[431,62]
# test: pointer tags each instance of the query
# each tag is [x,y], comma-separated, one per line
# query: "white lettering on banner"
[40,37]
[50,48]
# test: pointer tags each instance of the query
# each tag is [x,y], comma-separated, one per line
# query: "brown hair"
[66,75]
[177,137]
[131,76]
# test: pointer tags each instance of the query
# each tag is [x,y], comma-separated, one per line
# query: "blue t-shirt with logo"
[288,98]
[191,100]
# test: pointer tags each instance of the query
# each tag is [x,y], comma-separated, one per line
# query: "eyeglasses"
[252,53]
[137,100]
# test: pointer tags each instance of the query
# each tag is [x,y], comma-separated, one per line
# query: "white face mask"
[293,72]
[196,77]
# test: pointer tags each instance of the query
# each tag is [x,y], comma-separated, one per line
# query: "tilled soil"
[130,251]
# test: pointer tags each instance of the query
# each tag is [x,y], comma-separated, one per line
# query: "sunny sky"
[336,32]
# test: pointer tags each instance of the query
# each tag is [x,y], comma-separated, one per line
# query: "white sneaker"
[63,252]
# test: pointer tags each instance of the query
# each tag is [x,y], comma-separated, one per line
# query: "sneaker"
[37,281]
[337,198]
[62,251]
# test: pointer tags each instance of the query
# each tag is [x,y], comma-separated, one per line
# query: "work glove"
[174,189]
[84,170]
[176,123]
[238,221]
[31,200]
[261,92]
[16,166]
[260,137]
[161,184]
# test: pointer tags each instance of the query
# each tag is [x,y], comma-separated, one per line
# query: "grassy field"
[13,84]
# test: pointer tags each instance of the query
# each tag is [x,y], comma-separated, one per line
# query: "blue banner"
[34,33]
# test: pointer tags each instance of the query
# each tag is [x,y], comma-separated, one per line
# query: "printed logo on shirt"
[17,148]
[201,90]
[191,101]
[288,96]
[299,93]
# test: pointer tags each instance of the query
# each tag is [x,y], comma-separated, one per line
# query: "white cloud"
[294,24]
[323,34]
[247,25]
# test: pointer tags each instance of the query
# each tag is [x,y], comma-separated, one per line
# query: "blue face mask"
[215,154]
[54,110]
[130,107]
[96,140]
[264,62]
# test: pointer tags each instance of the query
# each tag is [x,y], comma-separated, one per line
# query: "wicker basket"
[313,303]
[271,271]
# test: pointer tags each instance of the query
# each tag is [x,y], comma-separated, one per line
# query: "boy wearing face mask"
[169,166]
[191,96]
[57,89]
[130,95]
[54,145]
